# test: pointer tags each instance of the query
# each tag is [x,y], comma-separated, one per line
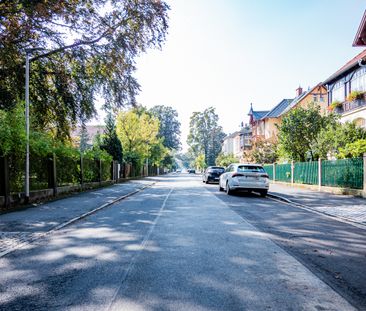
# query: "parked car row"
[238,177]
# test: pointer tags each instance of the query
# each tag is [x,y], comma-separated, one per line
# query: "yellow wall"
[308,99]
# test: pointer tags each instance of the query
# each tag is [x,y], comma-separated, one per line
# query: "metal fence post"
[274,171]
[319,173]
[364,174]
[292,171]
[81,172]
[5,180]
[52,181]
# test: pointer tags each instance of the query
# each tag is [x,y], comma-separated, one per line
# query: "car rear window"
[251,168]
[216,169]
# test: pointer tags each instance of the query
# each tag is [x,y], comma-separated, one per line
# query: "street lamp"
[27,61]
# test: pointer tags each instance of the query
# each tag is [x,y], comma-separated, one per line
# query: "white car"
[249,177]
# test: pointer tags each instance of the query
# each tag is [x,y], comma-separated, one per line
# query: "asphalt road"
[180,245]
[335,251]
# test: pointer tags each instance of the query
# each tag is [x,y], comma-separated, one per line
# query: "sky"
[230,53]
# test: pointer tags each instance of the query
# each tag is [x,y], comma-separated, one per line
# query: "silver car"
[249,177]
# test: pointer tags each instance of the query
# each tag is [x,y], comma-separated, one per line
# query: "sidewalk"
[21,227]
[345,207]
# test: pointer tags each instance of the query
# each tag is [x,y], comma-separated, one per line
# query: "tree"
[110,140]
[264,151]
[205,135]
[354,149]
[226,159]
[299,131]
[108,35]
[138,134]
[169,128]
[336,136]
[200,162]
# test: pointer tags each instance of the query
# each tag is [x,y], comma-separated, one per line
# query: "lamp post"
[27,61]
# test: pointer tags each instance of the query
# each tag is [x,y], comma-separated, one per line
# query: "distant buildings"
[344,92]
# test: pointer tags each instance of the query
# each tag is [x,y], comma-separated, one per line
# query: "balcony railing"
[350,105]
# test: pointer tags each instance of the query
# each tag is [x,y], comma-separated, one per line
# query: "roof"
[257,115]
[347,67]
[277,110]
[360,38]
[297,99]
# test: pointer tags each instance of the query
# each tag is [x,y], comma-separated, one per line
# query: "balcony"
[349,106]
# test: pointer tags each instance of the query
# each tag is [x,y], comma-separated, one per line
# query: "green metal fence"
[306,173]
[269,170]
[283,172]
[343,173]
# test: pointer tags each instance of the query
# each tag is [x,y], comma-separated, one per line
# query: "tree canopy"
[299,131]
[205,135]
[138,132]
[91,46]
[169,128]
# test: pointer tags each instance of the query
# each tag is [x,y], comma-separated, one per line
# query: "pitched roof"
[349,65]
[277,110]
[296,100]
[360,38]
[257,115]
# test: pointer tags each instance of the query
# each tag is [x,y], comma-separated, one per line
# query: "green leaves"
[66,77]
[205,135]
[299,131]
[226,159]
[138,132]
[169,126]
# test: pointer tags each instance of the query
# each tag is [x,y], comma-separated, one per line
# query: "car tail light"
[237,175]
[264,175]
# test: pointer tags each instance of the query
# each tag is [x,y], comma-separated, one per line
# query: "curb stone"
[311,209]
[71,221]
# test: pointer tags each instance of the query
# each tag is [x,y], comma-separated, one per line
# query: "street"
[183,245]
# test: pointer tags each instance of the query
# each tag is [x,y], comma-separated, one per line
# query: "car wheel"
[220,188]
[228,190]
[263,193]
[206,181]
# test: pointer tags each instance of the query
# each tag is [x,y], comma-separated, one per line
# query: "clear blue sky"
[229,53]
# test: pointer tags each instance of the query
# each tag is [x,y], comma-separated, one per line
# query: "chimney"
[298,91]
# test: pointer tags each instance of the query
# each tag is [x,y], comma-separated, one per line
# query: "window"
[315,98]
[251,168]
[358,81]
[338,92]
[321,98]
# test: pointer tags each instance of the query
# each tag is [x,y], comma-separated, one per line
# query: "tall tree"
[169,128]
[336,136]
[205,135]
[138,134]
[107,34]
[298,132]
[110,140]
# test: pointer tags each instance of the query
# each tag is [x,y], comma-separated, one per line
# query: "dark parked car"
[212,174]
[192,171]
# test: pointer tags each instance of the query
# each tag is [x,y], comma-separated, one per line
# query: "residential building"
[351,77]
[255,118]
[232,144]
[245,138]
[91,130]
[273,118]
[316,95]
